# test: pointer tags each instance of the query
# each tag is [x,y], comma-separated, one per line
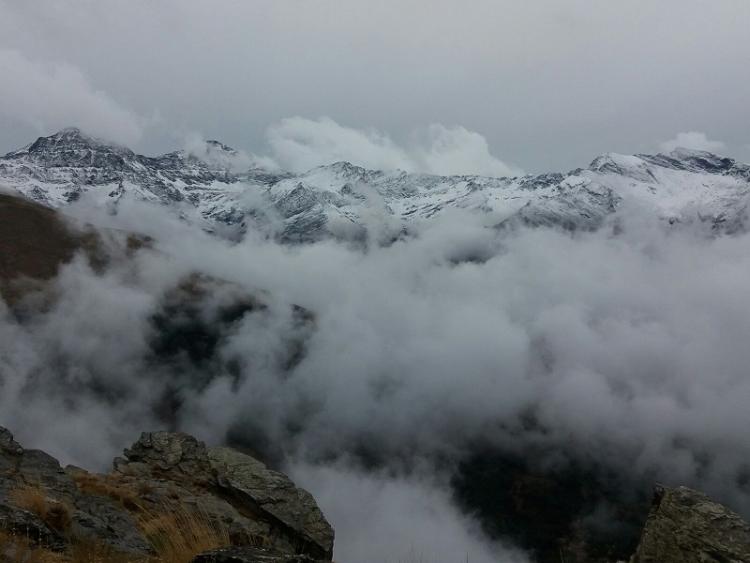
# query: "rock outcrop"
[42,503]
[685,526]
[166,484]
[257,504]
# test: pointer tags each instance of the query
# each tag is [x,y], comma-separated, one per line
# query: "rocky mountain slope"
[169,497]
[349,202]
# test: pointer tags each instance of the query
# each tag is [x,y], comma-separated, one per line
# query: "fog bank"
[626,350]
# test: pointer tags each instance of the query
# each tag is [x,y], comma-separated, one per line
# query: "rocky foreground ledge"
[686,526]
[170,498]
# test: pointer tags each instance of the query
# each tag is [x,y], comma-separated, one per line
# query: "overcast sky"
[548,83]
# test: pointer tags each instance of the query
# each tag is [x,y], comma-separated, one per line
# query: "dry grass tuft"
[108,486]
[178,533]
[52,512]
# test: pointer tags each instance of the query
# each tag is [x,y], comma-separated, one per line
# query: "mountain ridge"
[347,201]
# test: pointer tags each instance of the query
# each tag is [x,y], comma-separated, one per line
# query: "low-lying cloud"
[413,518]
[627,350]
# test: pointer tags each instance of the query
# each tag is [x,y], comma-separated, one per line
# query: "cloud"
[220,156]
[693,140]
[51,96]
[617,348]
[298,144]
[457,150]
[518,72]
[413,518]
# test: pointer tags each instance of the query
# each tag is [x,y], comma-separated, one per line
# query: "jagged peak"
[693,160]
[218,145]
[699,156]
[217,156]
[679,158]
[615,162]
[74,134]
[206,149]
[684,152]
[341,166]
[76,138]
[342,169]
[69,131]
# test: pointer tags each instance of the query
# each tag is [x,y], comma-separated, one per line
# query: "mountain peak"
[699,160]
[72,147]
[218,145]
[615,162]
[230,188]
[684,152]
[342,168]
[73,137]
[69,132]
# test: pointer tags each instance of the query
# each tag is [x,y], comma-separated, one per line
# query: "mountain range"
[217,189]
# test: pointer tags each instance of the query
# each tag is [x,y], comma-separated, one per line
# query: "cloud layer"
[627,351]
[550,85]
[413,519]
[49,97]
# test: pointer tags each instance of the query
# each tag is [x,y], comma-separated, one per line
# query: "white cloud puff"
[693,140]
[298,144]
[52,96]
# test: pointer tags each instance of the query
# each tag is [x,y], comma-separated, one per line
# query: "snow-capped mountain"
[348,201]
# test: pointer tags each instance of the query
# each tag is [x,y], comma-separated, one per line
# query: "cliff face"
[169,497]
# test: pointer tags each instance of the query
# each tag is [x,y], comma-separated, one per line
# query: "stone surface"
[7,444]
[274,494]
[168,455]
[101,519]
[254,502]
[685,526]
[249,555]
[27,526]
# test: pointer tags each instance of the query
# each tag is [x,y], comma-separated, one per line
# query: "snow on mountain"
[348,201]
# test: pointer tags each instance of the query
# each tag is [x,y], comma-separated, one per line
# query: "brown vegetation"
[177,533]
[111,487]
[36,241]
[16,549]
[54,513]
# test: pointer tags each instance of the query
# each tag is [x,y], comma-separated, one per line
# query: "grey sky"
[549,83]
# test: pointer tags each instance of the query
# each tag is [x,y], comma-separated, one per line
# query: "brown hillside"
[34,242]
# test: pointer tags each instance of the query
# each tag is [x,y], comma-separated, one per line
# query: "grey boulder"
[685,526]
